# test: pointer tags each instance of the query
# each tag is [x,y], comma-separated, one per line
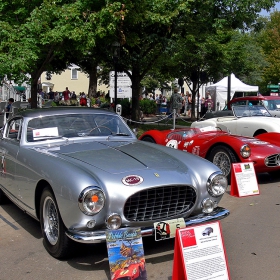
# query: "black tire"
[55,240]
[148,139]
[3,198]
[258,132]
[223,157]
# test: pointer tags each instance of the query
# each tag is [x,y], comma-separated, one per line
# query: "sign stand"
[199,253]
[243,180]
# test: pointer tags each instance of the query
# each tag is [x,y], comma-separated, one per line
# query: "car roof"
[33,113]
[254,98]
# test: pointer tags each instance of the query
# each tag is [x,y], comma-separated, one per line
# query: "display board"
[199,253]
[243,180]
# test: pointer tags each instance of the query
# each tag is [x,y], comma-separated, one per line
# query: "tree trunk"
[92,90]
[135,79]
[34,89]
[194,91]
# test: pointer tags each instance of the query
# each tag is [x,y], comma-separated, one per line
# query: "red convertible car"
[222,148]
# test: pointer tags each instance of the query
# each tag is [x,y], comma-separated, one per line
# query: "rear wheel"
[258,132]
[223,157]
[55,240]
[148,139]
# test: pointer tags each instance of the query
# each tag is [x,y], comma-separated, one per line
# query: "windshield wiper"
[120,134]
[48,137]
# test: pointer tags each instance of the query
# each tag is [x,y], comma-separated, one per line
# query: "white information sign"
[124,89]
[244,182]
[203,254]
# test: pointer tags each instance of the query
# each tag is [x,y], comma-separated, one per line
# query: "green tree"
[269,40]
[42,35]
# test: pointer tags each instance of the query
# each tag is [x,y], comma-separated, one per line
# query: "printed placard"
[199,250]
[244,180]
[167,229]
[126,254]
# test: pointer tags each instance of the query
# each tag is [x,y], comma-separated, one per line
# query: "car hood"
[117,156]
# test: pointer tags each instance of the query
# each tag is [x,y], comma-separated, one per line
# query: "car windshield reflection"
[250,111]
[75,125]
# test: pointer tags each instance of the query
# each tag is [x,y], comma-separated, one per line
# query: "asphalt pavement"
[250,234]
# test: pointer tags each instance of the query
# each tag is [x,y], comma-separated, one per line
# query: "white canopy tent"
[219,90]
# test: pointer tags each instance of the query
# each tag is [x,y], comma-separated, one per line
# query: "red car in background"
[222,148]
[272,104]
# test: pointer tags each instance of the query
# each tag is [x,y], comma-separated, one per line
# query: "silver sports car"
[82,171]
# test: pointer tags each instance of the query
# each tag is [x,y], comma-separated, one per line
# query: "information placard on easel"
[199,253]
[244,180]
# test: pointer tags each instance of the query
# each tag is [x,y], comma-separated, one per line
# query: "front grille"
[159,203]
[273,160]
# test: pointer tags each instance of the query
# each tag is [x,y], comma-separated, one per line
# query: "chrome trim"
[83,193]
[100,235]
[272,160]
[242,153]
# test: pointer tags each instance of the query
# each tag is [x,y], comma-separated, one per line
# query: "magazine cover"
[126,254]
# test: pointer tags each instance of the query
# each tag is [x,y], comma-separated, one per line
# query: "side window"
[74,74]
[14,129]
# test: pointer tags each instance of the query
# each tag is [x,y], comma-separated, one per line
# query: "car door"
[9,147]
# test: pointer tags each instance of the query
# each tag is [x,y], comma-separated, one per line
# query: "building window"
[74,74]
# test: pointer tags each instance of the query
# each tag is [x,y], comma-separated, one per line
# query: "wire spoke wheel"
[51,221]
[223,161]
[223,157]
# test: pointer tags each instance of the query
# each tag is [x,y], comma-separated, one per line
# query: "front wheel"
[3,198]
[55,240]
[148,139]
[223,157]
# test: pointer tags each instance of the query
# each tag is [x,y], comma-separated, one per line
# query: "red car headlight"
[245,151]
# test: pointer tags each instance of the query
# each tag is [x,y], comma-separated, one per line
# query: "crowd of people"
[67,97]
[183,103]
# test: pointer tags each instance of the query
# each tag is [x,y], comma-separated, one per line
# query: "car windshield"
[250,111]
[75,125]
[273,104]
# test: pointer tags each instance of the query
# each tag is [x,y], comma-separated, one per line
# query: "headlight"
[207,205]
[245,151]
[217,184]
[91,200]
[114,221]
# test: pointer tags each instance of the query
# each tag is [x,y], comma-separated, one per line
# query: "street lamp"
[116,54]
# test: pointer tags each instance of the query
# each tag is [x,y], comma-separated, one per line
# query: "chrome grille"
[272,161]
[159,203]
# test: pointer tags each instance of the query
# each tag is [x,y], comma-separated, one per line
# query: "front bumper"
[100,235]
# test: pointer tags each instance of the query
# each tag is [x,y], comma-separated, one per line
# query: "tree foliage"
[162,39]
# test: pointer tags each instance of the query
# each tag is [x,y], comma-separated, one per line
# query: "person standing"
[176,101]
[83,99]
[189,105]
[51,94]
[66,95]
[8,108]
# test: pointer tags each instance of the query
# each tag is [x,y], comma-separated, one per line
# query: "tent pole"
[228,89]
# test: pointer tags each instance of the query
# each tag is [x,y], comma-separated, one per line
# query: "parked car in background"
[82,171]
[220,147]
[246,121]
[271,103]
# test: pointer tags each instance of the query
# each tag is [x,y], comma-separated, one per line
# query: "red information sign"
[199,253]
[243,180]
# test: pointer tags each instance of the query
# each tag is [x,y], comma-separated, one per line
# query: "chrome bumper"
[100,235]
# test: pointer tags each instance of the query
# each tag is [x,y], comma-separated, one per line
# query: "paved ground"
[251,239]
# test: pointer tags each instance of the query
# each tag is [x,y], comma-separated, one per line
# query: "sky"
[265,13]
